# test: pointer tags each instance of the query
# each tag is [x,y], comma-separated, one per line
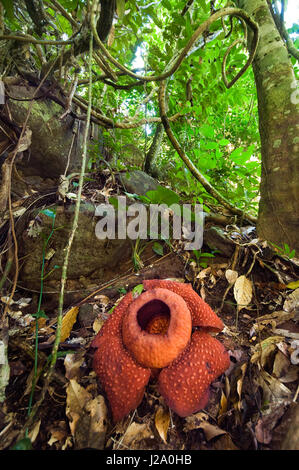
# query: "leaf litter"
[249,407]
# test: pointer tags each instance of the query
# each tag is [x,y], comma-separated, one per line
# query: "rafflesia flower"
[154,334]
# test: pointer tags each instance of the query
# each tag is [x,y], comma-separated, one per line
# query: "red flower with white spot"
[153,333]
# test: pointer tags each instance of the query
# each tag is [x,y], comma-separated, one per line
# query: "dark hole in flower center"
[154,317]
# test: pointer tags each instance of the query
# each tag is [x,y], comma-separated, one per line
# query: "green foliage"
[284,250]
[218,128]
[22,444]
[199,257]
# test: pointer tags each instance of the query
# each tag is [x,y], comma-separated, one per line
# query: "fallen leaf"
[72,364]
[295,352]
[273,389]
[273,319]
[281,365]
[162,420]
[87,417]
[287,333]
[200,421]
[231,276]
[63,186]
[34,431]
[242,291]
[133,437]
[58,434]
[266,424]
[240,384]
[223,406]
[293,285]
[264,348]
[103,300]
[224,443]
[98,422]
[97,324]
[211,430]
[292,301]
[68,322]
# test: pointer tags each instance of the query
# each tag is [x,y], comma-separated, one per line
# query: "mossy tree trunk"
[278,106]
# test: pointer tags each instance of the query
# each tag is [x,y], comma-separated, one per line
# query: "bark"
[278,106]
[152,154]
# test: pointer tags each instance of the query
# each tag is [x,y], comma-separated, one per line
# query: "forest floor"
[253,405]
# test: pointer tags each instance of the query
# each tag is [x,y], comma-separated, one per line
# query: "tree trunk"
[152,154]
[278,106]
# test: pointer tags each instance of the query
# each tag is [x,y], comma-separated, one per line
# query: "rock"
[86,314]
[137,182]
[216,239]
[92,261]
[51,137]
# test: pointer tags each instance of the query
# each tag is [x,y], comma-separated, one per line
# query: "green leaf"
[211,145]
[163,196]
[49,213]
[158,249]
[122,290]
[40,314]
[137,290]
[207,131]
[8,8]
[166,4]
[223,142]
[23,444]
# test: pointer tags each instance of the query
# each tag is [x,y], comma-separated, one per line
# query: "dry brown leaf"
[200,421]
[211,430]
[87,417]
[265,424]
[34,431]
[242,291]
[273,389]
[162,420]
[58,434]
[224,443]
[223,405]
[203,273]
[134,436]
[240,384]
[231,276]
[97,324]
[103,300]
[273,319]
[263,349]
[194,421]
[281,365]
[72,364]
[76,399]
[68,322]
[292,301]
[98,422]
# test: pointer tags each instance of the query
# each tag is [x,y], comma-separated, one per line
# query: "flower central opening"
[154,317]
